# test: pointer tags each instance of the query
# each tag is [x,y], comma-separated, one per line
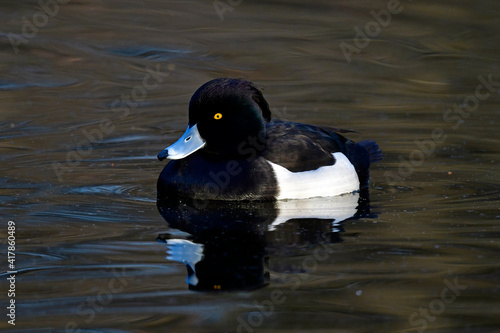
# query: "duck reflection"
[229,242]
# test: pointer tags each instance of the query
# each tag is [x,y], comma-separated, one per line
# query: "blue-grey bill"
[188,143]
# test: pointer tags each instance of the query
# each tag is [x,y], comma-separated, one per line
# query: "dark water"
[93,90]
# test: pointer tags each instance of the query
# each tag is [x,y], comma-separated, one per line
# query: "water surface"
[91,96]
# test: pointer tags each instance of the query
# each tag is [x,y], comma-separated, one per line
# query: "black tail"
[373,150]
[361,155]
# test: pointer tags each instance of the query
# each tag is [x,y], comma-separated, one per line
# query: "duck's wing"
[336,130]
[300,147]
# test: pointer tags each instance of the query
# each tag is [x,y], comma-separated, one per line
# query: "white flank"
[326,181]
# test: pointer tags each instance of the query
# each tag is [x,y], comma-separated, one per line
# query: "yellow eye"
[217,116]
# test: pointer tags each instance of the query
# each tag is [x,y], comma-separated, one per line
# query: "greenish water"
[91,91]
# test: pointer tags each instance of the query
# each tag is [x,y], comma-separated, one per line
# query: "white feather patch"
[326,181]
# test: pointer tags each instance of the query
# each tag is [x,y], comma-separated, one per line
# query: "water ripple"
[151,53]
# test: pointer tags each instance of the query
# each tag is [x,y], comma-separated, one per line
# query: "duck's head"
[223,114]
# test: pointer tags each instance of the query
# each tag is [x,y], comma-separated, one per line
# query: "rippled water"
[96,89]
